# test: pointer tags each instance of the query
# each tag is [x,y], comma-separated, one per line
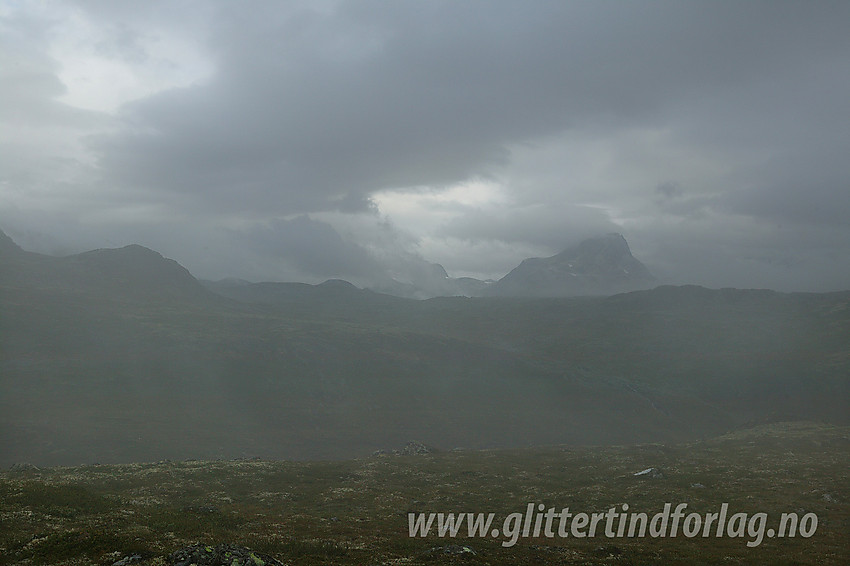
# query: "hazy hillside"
[121,355]
[131,272]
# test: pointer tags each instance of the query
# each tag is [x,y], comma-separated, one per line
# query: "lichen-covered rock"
[220,555]
[414,448]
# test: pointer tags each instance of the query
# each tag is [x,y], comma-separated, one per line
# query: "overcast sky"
[309,140]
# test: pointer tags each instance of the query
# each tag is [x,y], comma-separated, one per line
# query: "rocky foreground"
[356,512]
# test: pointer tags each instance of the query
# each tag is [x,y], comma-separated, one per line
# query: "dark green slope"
[150,383]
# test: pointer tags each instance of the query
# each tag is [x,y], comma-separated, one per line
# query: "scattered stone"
[697,486]
[452,549]
[414,448]
[829,498]
[24,467]
[127,560]
[201,509]
[653,473]
[609,550]
[220,555]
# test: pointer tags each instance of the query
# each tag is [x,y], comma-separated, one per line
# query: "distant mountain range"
[598,266]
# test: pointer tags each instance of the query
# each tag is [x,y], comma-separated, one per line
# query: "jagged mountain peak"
[602,265]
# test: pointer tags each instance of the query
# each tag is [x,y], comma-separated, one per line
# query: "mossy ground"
[355,512]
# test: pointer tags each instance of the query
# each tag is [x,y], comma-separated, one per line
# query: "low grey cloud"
[546,228]
[668,190]
[312,247]
[312,110]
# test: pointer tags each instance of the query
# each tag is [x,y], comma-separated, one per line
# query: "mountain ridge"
[597,266]
[129,272]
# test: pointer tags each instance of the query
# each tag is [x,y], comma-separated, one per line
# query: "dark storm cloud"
[314,109]
[809,185]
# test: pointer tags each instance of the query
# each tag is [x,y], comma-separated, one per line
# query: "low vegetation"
[356,511]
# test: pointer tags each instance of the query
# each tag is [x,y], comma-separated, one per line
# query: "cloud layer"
[343,139]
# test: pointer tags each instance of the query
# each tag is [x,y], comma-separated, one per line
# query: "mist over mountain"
[603,265]
[431,280]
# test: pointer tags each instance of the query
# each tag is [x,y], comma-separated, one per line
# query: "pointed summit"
[598,266]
